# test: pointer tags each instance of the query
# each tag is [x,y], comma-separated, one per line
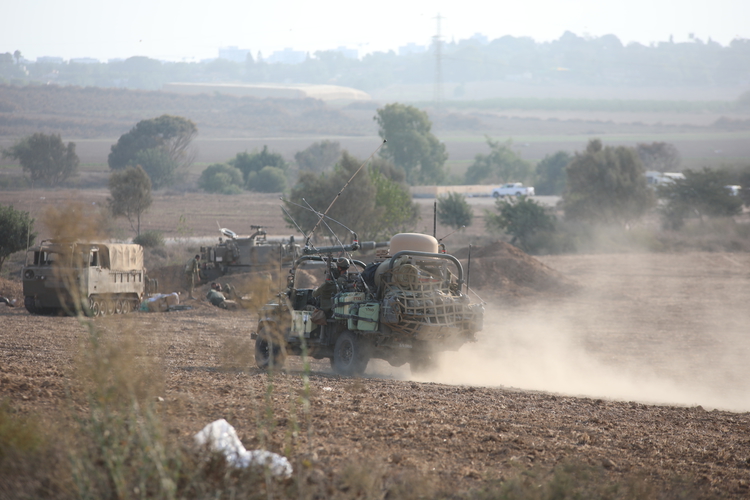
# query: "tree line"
[600,185]
[569,59]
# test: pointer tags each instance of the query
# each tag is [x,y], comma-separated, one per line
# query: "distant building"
[233,54]
[50,60]
[287,56]
[411,48]
[84,60]
[482,39]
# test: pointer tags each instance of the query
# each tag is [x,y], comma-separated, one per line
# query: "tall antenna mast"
[438,89]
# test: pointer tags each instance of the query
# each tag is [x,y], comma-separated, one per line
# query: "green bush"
[150,239]
[454,211]
[221,178]
[268,180]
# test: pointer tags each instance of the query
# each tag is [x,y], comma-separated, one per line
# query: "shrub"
[150,239]
[454,211]
[221,178]
[268,180]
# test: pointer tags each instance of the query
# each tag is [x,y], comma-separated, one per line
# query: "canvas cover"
[123,256]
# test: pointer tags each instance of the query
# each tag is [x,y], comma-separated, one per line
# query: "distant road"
[488,201]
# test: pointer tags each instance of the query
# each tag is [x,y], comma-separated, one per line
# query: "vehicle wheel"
[28,303]
[127,306]
[109,306]
[350,355]
[268,354]
[519,193]
[496,195]
[118,306]
[96,308]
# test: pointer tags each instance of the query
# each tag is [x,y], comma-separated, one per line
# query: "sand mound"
[500,266]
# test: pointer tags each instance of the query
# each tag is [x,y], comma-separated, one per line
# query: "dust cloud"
[657,329]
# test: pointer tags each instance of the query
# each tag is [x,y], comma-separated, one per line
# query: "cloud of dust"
[531,350]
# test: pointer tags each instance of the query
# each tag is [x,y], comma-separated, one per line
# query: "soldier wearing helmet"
[335,281]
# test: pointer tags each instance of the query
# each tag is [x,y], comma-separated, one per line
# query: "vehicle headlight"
[28,274]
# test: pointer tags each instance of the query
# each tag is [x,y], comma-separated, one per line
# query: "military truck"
[241,254]
[404,308]
[96,277]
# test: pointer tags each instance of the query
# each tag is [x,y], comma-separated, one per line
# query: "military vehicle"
[241,254]
[404,308]
[96,277]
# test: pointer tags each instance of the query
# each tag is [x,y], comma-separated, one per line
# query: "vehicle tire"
[269,353]
[127,306]
[496,195]
[350,355]
[118,306]
[519,193]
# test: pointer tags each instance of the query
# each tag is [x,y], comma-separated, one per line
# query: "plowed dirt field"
[633,363]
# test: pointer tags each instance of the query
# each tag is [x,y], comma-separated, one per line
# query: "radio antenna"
[345,186]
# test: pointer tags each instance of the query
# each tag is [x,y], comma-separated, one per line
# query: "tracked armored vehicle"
[241,254]
[404,308]
[96,278]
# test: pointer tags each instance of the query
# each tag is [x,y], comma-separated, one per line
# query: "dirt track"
[642,371]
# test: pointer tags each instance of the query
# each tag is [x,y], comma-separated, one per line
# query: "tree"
[700,194]
[254,162]
[659,156]
[221,178]
[550,174]
[454,211]
[411,146]
[16,232]
[158,165]
[17,55]
[606,184]
[371,205]
[131,195]
[45,158]
[397,213]
[521,218]
[501,165]
[171,134]
[318,156]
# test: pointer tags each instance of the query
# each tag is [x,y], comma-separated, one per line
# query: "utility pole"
[438,88]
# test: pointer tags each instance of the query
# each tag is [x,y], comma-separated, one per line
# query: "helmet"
[342,262]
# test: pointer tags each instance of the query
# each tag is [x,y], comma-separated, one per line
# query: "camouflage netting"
[419,303]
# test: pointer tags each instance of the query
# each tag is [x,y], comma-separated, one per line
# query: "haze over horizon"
[188,31]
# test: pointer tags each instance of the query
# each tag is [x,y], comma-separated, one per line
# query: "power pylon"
[438,87]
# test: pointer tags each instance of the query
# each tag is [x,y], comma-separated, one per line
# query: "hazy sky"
[193,30]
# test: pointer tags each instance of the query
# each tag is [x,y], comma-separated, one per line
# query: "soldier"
[215,297]
[334,281]
[192,273]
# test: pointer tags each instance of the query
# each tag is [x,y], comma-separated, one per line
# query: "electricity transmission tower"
[438,87]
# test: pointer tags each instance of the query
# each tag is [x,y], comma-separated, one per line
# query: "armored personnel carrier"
[96,278]
[404,308]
